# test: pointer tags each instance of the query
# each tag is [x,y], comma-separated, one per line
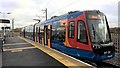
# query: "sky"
[24,11]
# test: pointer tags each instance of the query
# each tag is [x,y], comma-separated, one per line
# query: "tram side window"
[41,33]
[36,31]
[82,36]
[59,34]
[71,30]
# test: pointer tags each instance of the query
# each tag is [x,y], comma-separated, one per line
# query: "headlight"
[96,46]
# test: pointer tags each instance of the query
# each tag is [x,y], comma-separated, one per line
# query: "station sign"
[4,21]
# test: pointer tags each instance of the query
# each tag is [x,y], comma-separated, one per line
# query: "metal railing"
[116,40]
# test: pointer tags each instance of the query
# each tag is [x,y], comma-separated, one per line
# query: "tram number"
[107,52]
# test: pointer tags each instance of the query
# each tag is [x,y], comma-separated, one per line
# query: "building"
[115,30]
[115,35]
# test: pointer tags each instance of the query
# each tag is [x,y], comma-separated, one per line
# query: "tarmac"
[17,52]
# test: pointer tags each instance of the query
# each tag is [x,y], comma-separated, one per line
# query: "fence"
[116,41]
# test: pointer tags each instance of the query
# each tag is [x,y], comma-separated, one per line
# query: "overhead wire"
[57,10]
[65,7]
[49,3]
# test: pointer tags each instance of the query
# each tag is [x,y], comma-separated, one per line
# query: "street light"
[45,11]
[37,20]
[34,27]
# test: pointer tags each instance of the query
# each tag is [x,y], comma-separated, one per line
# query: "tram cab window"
[71,30]
[81,35]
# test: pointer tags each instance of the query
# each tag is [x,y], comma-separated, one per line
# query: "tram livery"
[82,34]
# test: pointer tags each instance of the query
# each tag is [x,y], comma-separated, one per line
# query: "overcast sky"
[24,11]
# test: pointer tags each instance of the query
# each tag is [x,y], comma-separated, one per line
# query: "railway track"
[100,64]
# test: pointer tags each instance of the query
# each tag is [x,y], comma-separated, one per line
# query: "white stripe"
[15,44]
[18,48]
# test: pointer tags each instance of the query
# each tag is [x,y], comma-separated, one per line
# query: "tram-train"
[82,34]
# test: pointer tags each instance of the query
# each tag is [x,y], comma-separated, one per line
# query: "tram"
[82,34]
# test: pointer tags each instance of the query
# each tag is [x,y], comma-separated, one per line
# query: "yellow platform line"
[67,61]
[14,44]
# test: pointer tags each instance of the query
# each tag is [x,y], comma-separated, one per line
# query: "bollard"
[1,45]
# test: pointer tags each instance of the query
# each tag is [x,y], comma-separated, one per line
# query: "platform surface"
[59,56]
[17,52]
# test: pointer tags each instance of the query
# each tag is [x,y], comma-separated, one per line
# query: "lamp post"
[45,11]
[12,27]
[37,20]
[35,28]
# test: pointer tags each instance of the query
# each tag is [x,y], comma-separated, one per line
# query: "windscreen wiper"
[95,33]
[93,30]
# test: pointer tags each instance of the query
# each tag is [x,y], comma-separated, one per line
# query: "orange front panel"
[66,43]
[64,23]
[79,44]
[72,42]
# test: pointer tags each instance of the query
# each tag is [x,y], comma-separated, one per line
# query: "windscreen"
[98,28]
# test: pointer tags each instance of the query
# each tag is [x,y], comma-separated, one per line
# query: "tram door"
[36,35]
[49,34]
[38,38]
[45,35]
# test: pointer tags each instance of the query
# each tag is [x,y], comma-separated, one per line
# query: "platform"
[18,51]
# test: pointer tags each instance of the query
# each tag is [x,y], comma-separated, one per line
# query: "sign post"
[4,21]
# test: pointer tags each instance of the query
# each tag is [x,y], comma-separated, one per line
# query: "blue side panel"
[72,51]
[63,17]
[29,37]
[81,54]
[74,15]
[103,57]
[57,45]
[49,22]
